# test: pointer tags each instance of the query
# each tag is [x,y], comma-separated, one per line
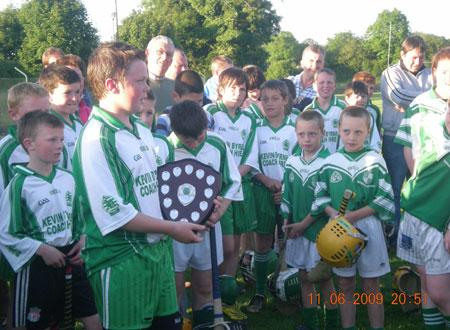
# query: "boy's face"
[325,85]
[148,110]
[273,103]
[134,90]
[254,94]
[441,76]
[78,71]
[192,143]
[353,132]
[29,104]
[47,146]
[308,135]
[159,58]
[233,95]
[312,62]
[413,60]
[370,89]
[196,97]
[65,99]
[357,99]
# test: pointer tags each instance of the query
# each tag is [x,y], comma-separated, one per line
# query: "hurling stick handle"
[348,194]
[217,300]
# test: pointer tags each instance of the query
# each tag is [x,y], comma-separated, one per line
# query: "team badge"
[286,145]
[34,315]
[69,198]
[336,177]
[243,134]
[110,205]
[335,123]
[291,177]
[368,177]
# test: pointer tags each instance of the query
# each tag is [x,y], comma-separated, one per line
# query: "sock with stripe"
[310,318]
[433,319]
[261,263]
[447,320]
[205,315]
[331,319]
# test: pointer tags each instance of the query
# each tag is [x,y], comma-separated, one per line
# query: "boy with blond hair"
[218,64]
[128,260]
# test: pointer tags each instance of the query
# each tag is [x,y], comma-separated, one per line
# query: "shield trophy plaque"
[187,189]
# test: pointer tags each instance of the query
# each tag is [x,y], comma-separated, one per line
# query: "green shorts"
[6,272]
[266,212]
[130,294]
[240,217]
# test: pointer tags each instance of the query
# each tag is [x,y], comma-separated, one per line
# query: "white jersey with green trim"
[363,172]
[422,128]
[163,150]
[331,119]
[255,112]
[12,154]
[213,151]
[116,173]
[275,146]
[71,132]
[375,111]
[35,209]
[238,132]
[294,114]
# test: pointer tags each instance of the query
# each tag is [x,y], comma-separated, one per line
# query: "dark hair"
[255,76]
[356,87]
[73,60]
[443,54]
[110,60]
[49,52]
[276,85]
[188,119]
[151,96]
[355,112]
[232,76]
[311,115]
[187,82]
[291,87]
[33,121]
[413,42]
[56,74]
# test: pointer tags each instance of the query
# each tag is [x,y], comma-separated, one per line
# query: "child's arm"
[271,184]
[353,216]
[51,255]
[407,152]
[75,252]
[447,240]
[297,229]
[244,169]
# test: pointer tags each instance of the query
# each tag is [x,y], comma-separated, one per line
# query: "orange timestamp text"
[368,299]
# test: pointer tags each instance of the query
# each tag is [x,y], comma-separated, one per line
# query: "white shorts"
[374,259]
[423,245]
[198,255]
[301,253]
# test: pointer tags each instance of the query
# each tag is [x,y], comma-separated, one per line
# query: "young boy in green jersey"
[64,88]
[299,183]
[276,140]
[127,256]
[190,139]
[38,236]
[363,171]
[238,128]
[252,103]
[424,233]
[328,105]
[369,80]
[356,94]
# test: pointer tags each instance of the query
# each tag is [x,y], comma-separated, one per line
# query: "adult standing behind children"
[179,64]
[159,52]
[400,84]
[313,59]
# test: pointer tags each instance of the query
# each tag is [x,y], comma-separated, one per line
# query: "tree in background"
[11,34]
[55,23]
[434,44]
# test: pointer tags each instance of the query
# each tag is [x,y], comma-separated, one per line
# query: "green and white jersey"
[299,183]
[294,114]
[422,129]
[213,151]
[36,209]
[275,145]
[12,154]
[331,118]
[255,112]
[373,141]
[363,172]
[376,113]
[238,132]
[71,132]
[115,170]
[163,150]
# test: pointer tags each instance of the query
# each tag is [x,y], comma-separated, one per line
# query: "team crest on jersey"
[368,178]
[69,198]
[335,123]
[336,177]
[286,145]
[34,315]
[291,177]
[110,205]
[243,134]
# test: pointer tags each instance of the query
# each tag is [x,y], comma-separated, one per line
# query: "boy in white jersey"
[424,236]
[252,103]
[127,256]
[238,129]
[64,87]
[300,178]
[38,235]
[276,139]
[369,80]
[191,139]
[363,171]
[356,94]
[328,105]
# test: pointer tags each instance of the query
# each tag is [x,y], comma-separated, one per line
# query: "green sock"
[433,319]
[203,316]
[332,319]
[447,320]
[261,262]
[310,318]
